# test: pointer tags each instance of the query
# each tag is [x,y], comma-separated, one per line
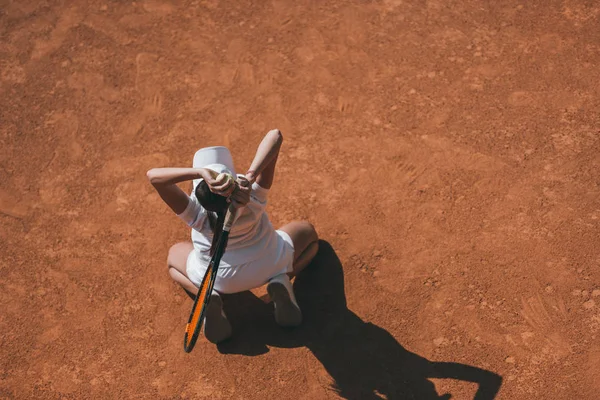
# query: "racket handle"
[229,217]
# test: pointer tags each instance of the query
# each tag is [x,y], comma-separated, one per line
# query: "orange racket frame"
[194,325]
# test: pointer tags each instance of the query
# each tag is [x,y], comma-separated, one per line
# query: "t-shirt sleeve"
[194,214]
[259,194]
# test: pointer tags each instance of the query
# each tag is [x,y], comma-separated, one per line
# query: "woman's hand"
[221,184]
[241,195]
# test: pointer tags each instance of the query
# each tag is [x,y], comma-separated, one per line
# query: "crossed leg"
[303,234]
[306,243]
[177,261]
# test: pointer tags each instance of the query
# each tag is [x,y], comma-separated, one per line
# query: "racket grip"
[229,217]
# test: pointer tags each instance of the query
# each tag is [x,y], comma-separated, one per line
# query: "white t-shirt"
[251,237]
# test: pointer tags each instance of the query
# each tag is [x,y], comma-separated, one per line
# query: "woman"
[256,253]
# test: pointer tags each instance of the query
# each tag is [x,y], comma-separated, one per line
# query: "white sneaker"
[216,326]
[287,312]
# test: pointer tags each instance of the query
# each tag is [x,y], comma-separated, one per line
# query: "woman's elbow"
[277,136]
[152,176]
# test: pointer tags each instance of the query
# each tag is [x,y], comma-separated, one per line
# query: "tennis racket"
[194,325]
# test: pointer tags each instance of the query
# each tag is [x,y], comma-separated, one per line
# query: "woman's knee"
[178,254]
[309,231]
[300,232]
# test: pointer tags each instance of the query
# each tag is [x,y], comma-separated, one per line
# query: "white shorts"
[246,276]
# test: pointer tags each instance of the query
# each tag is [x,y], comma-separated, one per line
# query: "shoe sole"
[287,314]
[216,326]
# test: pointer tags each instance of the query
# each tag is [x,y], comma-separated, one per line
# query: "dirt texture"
[448,153]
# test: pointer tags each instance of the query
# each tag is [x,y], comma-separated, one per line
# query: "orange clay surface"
[447,152]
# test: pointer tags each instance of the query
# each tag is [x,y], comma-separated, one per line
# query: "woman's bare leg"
[217,328]
[306,243]
[177,261]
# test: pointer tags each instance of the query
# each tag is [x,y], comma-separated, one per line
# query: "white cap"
[217,158]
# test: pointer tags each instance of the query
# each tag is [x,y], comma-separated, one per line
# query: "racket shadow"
[364,360]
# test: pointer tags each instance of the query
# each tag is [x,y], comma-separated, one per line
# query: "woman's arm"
[262,169]
[165,182]
[169,176]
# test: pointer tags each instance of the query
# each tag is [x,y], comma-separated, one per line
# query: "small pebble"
[510,360]
[588,305]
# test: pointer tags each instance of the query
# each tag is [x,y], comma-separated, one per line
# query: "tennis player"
[256,253]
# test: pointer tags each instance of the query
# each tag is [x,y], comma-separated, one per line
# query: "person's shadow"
[364,360]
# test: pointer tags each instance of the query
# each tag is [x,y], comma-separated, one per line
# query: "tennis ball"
[229,177]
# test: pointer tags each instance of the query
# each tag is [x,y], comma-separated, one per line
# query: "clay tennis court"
[447,152]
